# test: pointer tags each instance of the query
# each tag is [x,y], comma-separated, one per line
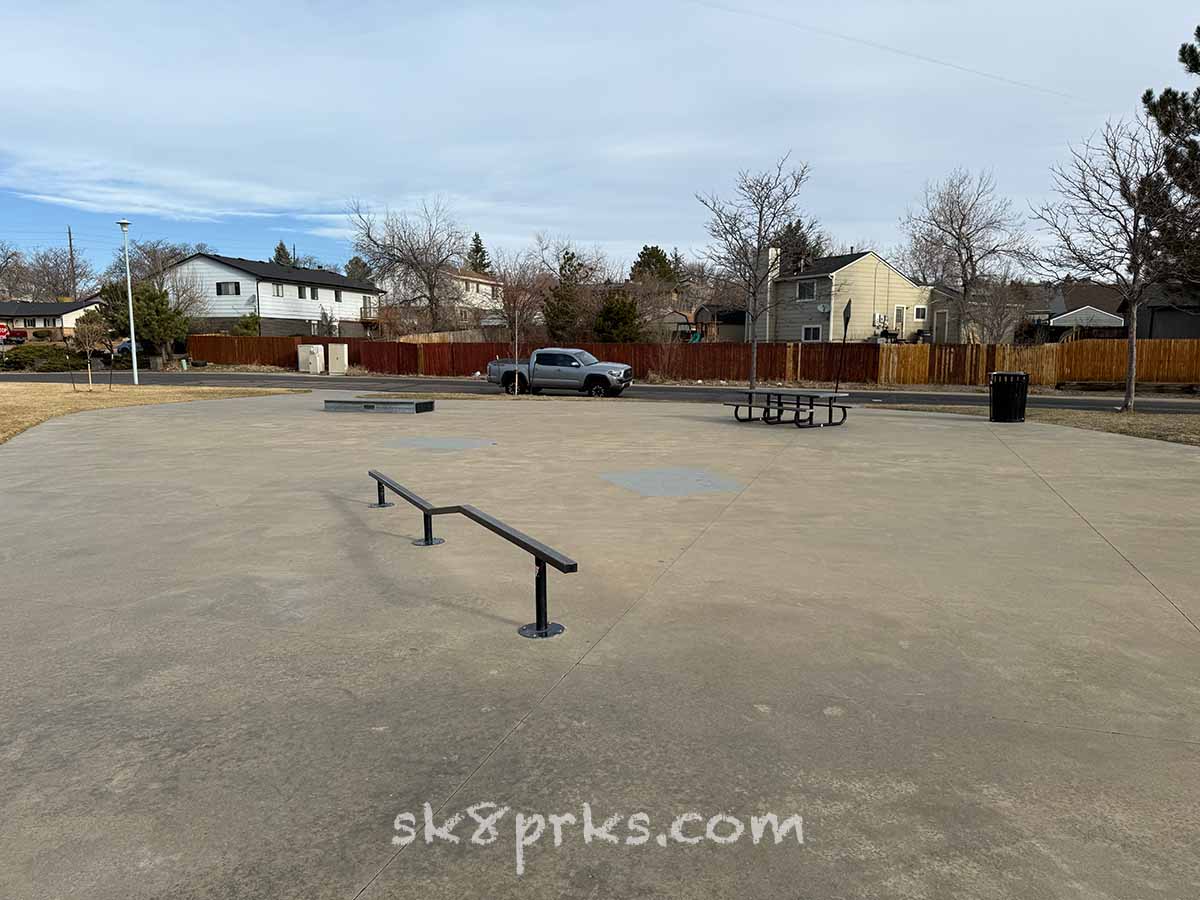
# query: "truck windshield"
[586,358]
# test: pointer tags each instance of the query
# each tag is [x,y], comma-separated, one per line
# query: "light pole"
[129,293]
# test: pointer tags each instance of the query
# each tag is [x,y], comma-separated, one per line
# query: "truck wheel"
[511,385]
[597,389]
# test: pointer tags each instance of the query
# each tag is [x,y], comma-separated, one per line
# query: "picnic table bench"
[803,405]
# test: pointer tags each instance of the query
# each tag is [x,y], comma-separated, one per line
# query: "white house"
[288,300]
[53,320]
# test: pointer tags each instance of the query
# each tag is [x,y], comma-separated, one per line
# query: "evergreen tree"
[652,264]
[1177,115]
[617,321]
[156,321]
[477,257]
[563,308]
[800,242]
[357,269]
[283,256]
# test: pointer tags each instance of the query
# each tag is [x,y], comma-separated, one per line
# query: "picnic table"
[802,404]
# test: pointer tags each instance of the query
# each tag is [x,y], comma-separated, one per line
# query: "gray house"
[1172,311]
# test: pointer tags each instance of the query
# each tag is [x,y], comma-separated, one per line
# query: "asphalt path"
[688,393]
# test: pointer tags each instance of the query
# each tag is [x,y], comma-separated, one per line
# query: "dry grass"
[1178,428]
[24,404]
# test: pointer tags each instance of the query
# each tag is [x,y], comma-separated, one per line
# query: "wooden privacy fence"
[1047,364]
[264,351]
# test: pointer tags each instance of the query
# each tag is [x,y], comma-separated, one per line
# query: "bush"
[43,335]
[247,326]
[39,358]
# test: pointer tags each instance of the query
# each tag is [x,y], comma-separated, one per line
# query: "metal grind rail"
[541,627]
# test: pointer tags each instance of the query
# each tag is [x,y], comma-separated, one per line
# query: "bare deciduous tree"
[48,275]
[90,329]
[187,293]
[1101,226]
[745,230]
[413,252]
[149,260]
[525,284]
[11,262]
[1001,304]
[965,233]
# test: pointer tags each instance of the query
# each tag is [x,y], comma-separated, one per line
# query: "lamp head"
[124,223]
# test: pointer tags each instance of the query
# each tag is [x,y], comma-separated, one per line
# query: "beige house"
[808,306]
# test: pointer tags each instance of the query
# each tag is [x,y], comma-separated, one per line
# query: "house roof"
[1087,315]
[1176,295]
[1078,294]
[472,275]
[826,265]
[16,308]
[270,271]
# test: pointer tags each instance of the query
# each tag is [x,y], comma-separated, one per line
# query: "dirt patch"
[1178,428]
[24,404]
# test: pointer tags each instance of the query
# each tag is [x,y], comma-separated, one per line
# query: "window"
[811,333]
[314,293]
[337,296]
[806,290]
[366,299]
[50,322]
[303,293]
[229,288]
[32,323]
[919,314]
[277,290]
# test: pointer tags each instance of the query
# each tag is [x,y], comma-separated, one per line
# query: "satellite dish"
[824,307]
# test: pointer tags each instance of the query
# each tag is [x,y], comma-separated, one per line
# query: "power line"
[886,48]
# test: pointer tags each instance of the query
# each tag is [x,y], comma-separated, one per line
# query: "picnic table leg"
[808,417]
[768,416]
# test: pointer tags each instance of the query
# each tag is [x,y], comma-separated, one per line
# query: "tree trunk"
[1131,360]
[89,364]
[435,313]
[753,354]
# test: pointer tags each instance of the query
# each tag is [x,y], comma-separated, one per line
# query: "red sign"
[3,331]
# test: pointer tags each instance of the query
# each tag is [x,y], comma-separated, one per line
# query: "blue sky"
[241,124]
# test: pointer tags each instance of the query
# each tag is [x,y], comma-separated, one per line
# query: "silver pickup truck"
[557,368]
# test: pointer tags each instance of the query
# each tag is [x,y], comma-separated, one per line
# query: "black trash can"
[1008,391]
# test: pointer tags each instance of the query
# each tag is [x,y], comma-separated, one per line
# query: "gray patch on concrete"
[438,443]
[674,482]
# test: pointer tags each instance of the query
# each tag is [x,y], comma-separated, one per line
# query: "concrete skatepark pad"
[964,654]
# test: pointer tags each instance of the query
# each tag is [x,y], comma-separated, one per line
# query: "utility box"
[339,358]
[311,359]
